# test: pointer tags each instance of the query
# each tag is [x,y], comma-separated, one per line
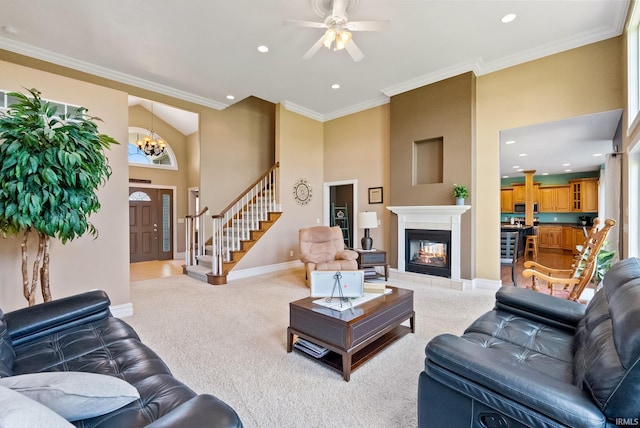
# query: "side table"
[371,259]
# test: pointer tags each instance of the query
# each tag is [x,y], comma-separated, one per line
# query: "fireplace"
[431,217]
[428,252]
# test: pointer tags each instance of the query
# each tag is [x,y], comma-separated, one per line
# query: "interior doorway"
[340,207]
[150,224]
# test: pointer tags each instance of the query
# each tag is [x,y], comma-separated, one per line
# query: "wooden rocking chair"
[582,271]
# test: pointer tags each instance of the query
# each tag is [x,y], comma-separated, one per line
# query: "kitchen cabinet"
[506,200]
[567,238]
[584,195]
[519,194]
[554,199]
[578,238]
[550,237]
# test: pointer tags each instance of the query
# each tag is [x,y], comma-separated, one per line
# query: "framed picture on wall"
[375,195]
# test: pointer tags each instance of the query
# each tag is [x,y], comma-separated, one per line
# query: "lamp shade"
[367,220]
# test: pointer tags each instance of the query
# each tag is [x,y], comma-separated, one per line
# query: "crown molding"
[65,61]
[558,46]
[365,105]
[480,67]
[303,111]
[430,78]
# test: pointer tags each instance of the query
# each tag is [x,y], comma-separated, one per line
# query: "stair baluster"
[232,236]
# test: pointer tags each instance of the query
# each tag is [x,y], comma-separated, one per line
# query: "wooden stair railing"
[245,220]
[195,233]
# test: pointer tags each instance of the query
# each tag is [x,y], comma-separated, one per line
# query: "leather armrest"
[550,310]
[46,318]
[547,395]
[202,411]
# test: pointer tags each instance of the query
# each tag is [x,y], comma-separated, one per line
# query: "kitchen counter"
[523,232]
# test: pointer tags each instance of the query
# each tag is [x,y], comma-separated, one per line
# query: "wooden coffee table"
[353,337]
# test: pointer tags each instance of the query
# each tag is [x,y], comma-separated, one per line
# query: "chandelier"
[337,37]
[152,144]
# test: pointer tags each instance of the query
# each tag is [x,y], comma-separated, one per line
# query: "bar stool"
[531,246]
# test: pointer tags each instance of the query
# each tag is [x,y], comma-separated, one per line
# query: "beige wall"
[193,160]
[236,148]
[299,150]
[573,83]
[85,263]
[443,109]
[356,147]
[141,118]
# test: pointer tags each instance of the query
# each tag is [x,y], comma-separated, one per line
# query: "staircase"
[235,231]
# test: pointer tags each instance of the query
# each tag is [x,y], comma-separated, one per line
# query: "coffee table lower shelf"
[334,359]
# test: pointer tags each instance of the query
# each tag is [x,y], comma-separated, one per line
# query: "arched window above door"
[167,160]
[139,196]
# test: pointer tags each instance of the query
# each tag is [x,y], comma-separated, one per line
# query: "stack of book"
[374,287]
[316,351]
[370,272]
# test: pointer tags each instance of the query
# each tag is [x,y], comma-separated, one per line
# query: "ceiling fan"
[338,33]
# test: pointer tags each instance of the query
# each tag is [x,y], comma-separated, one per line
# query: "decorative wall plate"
[302,191]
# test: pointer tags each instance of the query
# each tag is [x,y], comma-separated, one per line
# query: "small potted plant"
[460,192]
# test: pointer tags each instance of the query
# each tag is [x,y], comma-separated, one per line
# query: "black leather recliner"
[78,333]
[539,361]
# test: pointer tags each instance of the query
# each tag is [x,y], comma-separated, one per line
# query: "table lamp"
[367,220]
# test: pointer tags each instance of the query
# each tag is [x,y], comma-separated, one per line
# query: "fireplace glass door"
[428,252]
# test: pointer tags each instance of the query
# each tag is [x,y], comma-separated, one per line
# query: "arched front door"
[150,223]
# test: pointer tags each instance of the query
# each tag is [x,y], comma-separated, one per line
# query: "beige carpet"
[230,341]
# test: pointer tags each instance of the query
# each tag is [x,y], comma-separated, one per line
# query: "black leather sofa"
[78,333]
[539,361]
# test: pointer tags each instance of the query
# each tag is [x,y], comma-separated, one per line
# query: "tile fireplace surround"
[434,217]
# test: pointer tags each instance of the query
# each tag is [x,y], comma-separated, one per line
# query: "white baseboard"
[121,311]
[260,270]
[486,284]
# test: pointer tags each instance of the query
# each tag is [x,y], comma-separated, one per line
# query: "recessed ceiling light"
[508,18]
[231,97]
[335,86]
[522,155]
[263,49]
[545,173]
[566,164]
[505,176]
[597,154]
[516,166]
[510,142]
[567,170]
[521,169]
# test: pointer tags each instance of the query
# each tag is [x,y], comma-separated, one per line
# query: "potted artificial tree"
[460,192]
[50,170]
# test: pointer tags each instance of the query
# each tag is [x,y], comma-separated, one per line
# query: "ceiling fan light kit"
[340,37]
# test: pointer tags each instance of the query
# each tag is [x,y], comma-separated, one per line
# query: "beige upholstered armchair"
[322,248]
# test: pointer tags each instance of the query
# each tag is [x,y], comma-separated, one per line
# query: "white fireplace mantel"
[434,217]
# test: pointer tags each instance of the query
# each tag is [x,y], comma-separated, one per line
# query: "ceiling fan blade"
[369,25]
[309,24]
[315,48]
[339,8]
[354,51]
